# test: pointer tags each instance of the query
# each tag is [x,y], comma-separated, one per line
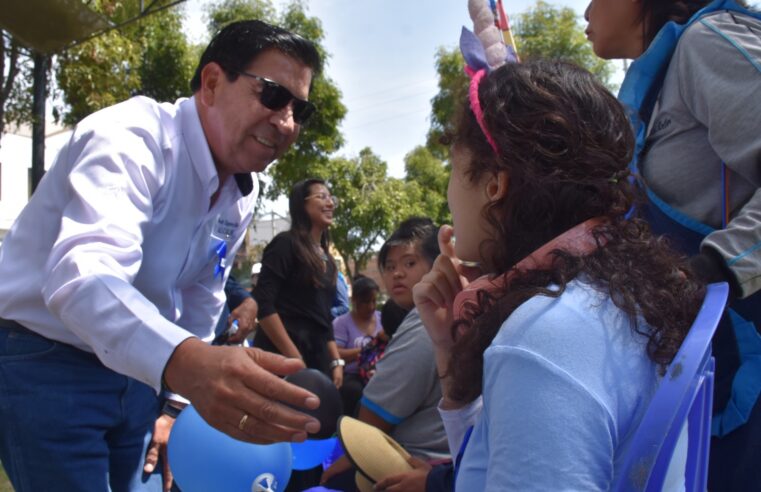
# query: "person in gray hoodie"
[693,92]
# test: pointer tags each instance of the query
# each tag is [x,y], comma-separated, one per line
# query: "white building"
[266,226]
[16,168]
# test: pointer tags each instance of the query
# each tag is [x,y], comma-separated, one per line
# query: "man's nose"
[283,119]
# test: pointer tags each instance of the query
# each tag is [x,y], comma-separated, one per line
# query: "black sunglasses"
[275,97]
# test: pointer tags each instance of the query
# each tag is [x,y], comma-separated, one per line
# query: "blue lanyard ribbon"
[221,253]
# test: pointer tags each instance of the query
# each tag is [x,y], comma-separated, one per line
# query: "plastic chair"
[684,395]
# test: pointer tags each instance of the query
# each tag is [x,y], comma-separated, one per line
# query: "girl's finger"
[446,246]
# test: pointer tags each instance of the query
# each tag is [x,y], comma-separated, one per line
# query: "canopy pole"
[40,94]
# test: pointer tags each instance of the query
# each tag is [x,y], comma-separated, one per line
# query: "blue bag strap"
[461,452]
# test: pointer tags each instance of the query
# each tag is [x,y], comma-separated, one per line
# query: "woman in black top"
[297,284]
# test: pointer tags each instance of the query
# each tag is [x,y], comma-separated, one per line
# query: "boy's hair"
[419,231]
[239,43]
[392,315]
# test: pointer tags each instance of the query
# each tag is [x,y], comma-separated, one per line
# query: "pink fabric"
[578,240]
[475,105]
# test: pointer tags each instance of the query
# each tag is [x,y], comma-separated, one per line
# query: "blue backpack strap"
[642,84]
[746,385]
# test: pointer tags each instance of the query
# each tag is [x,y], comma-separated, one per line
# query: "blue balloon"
[203,459]
[312,452]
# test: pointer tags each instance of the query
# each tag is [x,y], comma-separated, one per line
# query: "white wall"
[15,165]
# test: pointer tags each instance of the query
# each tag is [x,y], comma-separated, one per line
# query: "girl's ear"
[496,187]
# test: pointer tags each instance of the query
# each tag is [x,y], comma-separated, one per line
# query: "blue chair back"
[684,395]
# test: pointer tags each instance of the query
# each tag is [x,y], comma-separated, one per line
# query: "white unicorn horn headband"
[490,47]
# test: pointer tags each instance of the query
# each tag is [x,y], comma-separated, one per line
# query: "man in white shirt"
[112,277]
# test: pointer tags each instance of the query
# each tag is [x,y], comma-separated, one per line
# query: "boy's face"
[404,267]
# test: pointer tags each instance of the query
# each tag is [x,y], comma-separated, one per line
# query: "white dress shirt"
[115,252]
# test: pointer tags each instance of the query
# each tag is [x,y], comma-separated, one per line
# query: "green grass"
[5,485]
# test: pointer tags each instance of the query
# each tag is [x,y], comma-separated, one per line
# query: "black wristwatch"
[172,409]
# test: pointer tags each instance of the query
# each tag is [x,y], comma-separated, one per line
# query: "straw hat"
[374,454]
[363,484]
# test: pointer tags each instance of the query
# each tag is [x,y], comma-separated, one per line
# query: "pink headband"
[475,105]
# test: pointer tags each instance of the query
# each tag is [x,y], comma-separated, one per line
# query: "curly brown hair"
[565,143]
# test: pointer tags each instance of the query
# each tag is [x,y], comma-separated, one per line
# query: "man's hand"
[157,448]
[245,314]
[226,383]
[409,481]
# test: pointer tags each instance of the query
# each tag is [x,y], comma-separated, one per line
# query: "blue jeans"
[68,423]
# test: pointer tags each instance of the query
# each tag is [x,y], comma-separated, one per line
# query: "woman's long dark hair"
[656,13]
[301,230]
[565,143]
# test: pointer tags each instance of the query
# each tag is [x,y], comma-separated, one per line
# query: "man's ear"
[211,75]
[496,187]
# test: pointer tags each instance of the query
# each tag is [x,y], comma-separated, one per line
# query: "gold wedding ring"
[243,420]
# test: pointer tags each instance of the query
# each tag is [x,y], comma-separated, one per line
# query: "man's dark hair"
[239,43]
[415,230]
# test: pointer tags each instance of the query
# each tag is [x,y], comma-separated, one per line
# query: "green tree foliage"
[544,31]
[228,11]
[550,32]
[150,57]
[168,61]
[15,82]
[371,205]
[321,137]
[453,85]
[431,176]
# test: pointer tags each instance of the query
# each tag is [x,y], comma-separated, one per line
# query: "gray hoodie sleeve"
[719,64]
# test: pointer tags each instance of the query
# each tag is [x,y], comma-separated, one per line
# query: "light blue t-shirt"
[566,382]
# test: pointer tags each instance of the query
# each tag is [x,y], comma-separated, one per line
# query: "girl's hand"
[339,466]
[338,376]
[434,294]
[410,481]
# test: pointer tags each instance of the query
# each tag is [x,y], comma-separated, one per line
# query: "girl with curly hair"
[556,351]
[693,92]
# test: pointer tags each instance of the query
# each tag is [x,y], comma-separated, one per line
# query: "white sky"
[382,60]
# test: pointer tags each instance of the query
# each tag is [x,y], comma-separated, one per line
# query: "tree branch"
[7,84]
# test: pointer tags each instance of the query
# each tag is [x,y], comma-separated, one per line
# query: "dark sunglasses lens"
[302,110]
[274,96]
